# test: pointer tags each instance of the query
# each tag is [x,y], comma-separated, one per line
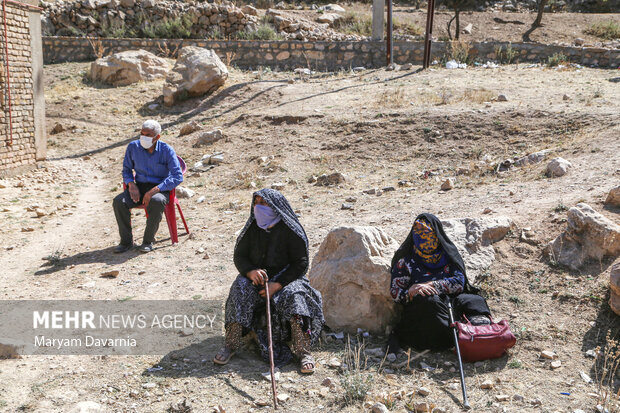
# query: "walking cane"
[271,366]
[458,355]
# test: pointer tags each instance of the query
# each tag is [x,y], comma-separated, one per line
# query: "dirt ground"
[377,128]
[494,26]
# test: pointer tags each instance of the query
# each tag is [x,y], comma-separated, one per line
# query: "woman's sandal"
[225,353]
[305,360]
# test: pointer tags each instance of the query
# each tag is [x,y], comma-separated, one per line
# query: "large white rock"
[613,198]
[614,284]
[352,272]
[329,18]
[197,72]
[558,167]
[588,235]
[128,67]
[474,238]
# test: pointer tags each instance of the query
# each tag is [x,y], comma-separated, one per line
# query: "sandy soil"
[377,128]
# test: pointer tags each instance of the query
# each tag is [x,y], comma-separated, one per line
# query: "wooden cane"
[271,366]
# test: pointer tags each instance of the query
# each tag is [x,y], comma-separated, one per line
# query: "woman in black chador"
[273,246]
[427,270]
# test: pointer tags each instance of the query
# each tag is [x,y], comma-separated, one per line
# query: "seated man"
[157,171]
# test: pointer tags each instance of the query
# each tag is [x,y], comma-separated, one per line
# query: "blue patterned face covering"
[265,216]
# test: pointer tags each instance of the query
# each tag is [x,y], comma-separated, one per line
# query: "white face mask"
[146,141]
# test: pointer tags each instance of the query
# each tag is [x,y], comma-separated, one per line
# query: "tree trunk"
[457,13]
[539,16]
[449,25]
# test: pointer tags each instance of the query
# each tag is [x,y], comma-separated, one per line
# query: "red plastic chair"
[170,211]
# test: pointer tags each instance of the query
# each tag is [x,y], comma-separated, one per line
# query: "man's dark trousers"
[122,205]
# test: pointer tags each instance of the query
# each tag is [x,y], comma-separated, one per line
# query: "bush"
[557,59]
[505,56]
[606,30]
[263,32]
[352,23]
[178,28]
[459,51]
[411,29]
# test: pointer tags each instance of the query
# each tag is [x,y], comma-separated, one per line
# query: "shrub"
[355,380]
[556,59]
[605,30]
[411,29]
[178,28]
[263,32]
[352,23]
[459,51]
[505,56]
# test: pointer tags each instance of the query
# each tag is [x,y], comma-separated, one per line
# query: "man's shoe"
[145,248]
[120,248]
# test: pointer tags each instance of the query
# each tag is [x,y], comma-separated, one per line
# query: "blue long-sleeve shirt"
[161,167]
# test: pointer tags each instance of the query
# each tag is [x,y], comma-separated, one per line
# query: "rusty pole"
[428,39]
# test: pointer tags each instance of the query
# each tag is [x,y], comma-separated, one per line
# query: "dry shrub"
[605,368]
[446,96]
[8,352]
[97,46]
[458,50]
[609,30]
[165,51]
[391,98]
[356,381]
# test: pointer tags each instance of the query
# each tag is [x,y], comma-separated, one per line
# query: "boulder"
[332,7]
[558,167]
[125,68]
[532,158]
[329,18]
[588,235]
[613,198]
[334,178]
[189,127]
[352,272]
[614,284]
[474,238]
[207,138]
[197,72]
[247,9]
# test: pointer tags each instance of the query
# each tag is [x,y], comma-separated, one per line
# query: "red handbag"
[484,342]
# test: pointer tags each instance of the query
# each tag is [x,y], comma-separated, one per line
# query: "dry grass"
[447,96]
[392,98]
[97,46]
[605,30]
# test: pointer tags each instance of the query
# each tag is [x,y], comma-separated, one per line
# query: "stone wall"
[21,151]
[321,56]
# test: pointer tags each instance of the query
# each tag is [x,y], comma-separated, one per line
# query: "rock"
[556,364]
[197,72]
[328,382]
[423,391]
[379,408]
[40,213]
[126,68]
[247,9]
[267,375]
[87,407]
[614,299]
[329,18]
[207,138]
[391,357]
[549,355]
[57,129]
[502,397]
[334,178]
[190,127]
[278,186]
[392,66]
[502,98]
[474,238]
[422,407]
[332,7]
[110,274]
[27,229]
[183,192]
[585,377]
[517,398]
[565,97]
[351,199]
[579,41]
[359,69]
[532,158]
[149,385]
[448,184]
[218,409]
[371,191]
[128,4]
[558,167]
[283,397]
[216,159]
[334,363]
[406,66]
[312,179]
[468,29]
[613,198]
[487,384]
[588,235]
[346,205]
[201,199]
[592,353]
[351,270]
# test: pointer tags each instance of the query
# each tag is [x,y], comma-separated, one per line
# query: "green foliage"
[352,23]
[356,382]
[117,31]
[263,32]
[609,30]
[505,56]
[411,29]
[557,59]
[178,28]
[215,34]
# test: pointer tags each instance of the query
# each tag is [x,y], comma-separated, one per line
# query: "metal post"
[428,39]
[390,42]
[271,366]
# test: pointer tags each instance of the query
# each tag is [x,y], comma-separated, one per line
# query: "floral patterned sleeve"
[451,285]
[401,281]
